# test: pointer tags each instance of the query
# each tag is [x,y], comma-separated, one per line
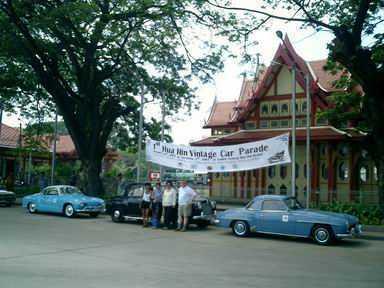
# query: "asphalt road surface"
[52,251]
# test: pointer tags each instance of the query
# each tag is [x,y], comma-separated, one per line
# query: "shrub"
[370,215]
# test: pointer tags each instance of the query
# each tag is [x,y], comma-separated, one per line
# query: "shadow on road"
[350,243]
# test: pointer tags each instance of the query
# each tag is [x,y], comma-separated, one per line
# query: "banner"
[204,159]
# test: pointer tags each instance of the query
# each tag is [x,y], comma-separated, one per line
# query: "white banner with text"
[204,159]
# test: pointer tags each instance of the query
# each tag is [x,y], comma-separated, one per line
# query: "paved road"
[52,251]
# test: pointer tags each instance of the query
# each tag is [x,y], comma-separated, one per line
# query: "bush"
[370,215]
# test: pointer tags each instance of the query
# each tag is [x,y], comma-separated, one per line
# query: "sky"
[226,85]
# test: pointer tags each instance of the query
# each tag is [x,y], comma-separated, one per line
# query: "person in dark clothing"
[157,199]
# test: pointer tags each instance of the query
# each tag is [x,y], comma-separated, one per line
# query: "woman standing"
[169,205]
[146,204]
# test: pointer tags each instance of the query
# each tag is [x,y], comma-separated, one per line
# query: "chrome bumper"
[91,209]
[354,232]
[208,218]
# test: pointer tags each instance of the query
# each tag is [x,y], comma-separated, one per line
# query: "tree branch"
[303,20]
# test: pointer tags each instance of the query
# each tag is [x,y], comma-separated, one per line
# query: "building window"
[297,167]
[323,150]
[249,125]
[254,173]
[274,109]
[264,109]
[284,123]
[343,151]
[304,106]
[283,171]
[271,189]
[217,175]
[324,171]
[274,124]
[283,190]
[343,171]
[264,124]
[305,190]
[364,174]
[303,122]
[271,171]
[375,173]
[284,108]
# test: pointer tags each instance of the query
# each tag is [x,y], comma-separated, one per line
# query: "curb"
[373,228]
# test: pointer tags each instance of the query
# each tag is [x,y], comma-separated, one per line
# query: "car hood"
[5,192]
[312,213]
[84,198]
[232,211]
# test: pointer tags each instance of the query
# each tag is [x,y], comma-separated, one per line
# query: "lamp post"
[53,166]
[140,135]
[279,34]
[308,138]
[1,117]
[162,129]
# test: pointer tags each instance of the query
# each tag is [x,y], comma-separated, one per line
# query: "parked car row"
[268,214]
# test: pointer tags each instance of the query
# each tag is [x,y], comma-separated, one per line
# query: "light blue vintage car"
[283,215]
[67,200]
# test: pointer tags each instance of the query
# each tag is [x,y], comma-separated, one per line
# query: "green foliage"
[92,58]
[369,215]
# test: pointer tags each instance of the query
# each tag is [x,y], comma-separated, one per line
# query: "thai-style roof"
[220,114]
[319,133]
[229,113]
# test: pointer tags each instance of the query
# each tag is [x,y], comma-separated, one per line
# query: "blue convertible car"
[67,200]
[283,215]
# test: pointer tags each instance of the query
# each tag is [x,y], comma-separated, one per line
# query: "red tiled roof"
[325,79]
[317,133]
[206,141]
[9,136]
[220,114]
[64,145]
[243,136]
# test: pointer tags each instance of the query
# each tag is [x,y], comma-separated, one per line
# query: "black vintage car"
[127,207]
[7,198]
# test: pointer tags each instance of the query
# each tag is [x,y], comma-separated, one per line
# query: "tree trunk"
[380,182]
[92,170]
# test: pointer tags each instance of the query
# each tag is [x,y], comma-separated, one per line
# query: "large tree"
[357,26]
[91,57]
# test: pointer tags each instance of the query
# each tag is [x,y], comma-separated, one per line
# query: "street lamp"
[279,34]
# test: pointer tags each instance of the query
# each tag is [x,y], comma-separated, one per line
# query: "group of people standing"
[174,205]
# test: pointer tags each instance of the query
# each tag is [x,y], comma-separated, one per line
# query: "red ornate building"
[340,169]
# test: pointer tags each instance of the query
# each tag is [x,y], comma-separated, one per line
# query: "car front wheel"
[69,211]
[240,228]
[32,208]
[116,215]
[322,235]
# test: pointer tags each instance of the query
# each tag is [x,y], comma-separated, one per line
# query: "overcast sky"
[309,45]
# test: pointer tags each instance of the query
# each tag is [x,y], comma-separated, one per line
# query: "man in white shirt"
[185,197]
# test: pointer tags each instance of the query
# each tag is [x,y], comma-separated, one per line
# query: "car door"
[276,218]
[51,199]
[133,201]
[254,209]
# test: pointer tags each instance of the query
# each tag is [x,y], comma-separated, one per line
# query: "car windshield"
[71,190]
[293,204]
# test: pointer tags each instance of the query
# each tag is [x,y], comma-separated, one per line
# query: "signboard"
[154,175]
[204,159]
